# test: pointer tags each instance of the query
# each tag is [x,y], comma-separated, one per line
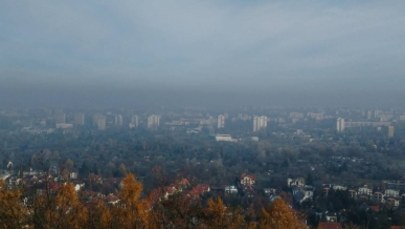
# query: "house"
[224,138]
[374,208]
[365,191]
[326,225]
[379,197]
[73,175]
[392,202]
[339,188]
[302,194]
[396,227]
[112,199]
[182,184]
[170,190]
[231,189]
[391,193]
[331,217]
[247,180]
[353,193]
[298,182]
[270,191]
[155,195]
[199,190]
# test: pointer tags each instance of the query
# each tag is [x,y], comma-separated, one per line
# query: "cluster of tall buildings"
[102,121]
[259,123]
[341,125]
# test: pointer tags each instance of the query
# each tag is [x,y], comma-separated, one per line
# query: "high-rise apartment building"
[153,121]
[100,121]
[134,122]
[221,121]
[259,123]
[391,131]
[118,120]
[340,125]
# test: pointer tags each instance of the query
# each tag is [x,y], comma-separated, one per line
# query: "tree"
[63,210]
[100,216]
[131,211]
[219,216]
[178,211]
[13,214]
[280,216]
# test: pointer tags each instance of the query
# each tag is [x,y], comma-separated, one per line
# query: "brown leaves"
[64,210]
[13,214]
[279,216]
[220,216]
[131,211]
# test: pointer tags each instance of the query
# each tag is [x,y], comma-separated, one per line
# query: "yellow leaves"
[216,207]
[279,216]
[131,189]
[100,216]
[69,209]
[131,211]
[13,214]
[220,216]
[62,211]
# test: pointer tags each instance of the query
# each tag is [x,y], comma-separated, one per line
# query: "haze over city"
[236,114]
[264,52]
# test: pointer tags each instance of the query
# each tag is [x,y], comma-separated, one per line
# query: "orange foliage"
[64,209]
[131,211]
[280,216]
[220,216]
[100,216]
[61,211]
[12,212]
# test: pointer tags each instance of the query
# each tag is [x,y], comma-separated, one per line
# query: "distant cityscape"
[305,154]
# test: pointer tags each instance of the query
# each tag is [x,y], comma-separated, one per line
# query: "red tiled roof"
[183,182]
[324,225]
[199,190]
[253,177]
[375,208]
[155,195]
[54,186]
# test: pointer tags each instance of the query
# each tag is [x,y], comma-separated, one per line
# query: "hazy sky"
[332,48]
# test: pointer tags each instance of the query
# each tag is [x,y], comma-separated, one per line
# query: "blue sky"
[238,45]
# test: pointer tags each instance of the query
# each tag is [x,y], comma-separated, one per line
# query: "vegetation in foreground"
[65,209]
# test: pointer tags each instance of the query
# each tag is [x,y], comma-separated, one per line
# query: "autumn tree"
[178,211]
[131,211]
[63,210]
[13,214]
[218,215]
[280,216]
[100,216]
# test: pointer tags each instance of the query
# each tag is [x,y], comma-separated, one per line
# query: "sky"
[330,51]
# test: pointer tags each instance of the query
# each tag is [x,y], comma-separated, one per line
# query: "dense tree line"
[65,209]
